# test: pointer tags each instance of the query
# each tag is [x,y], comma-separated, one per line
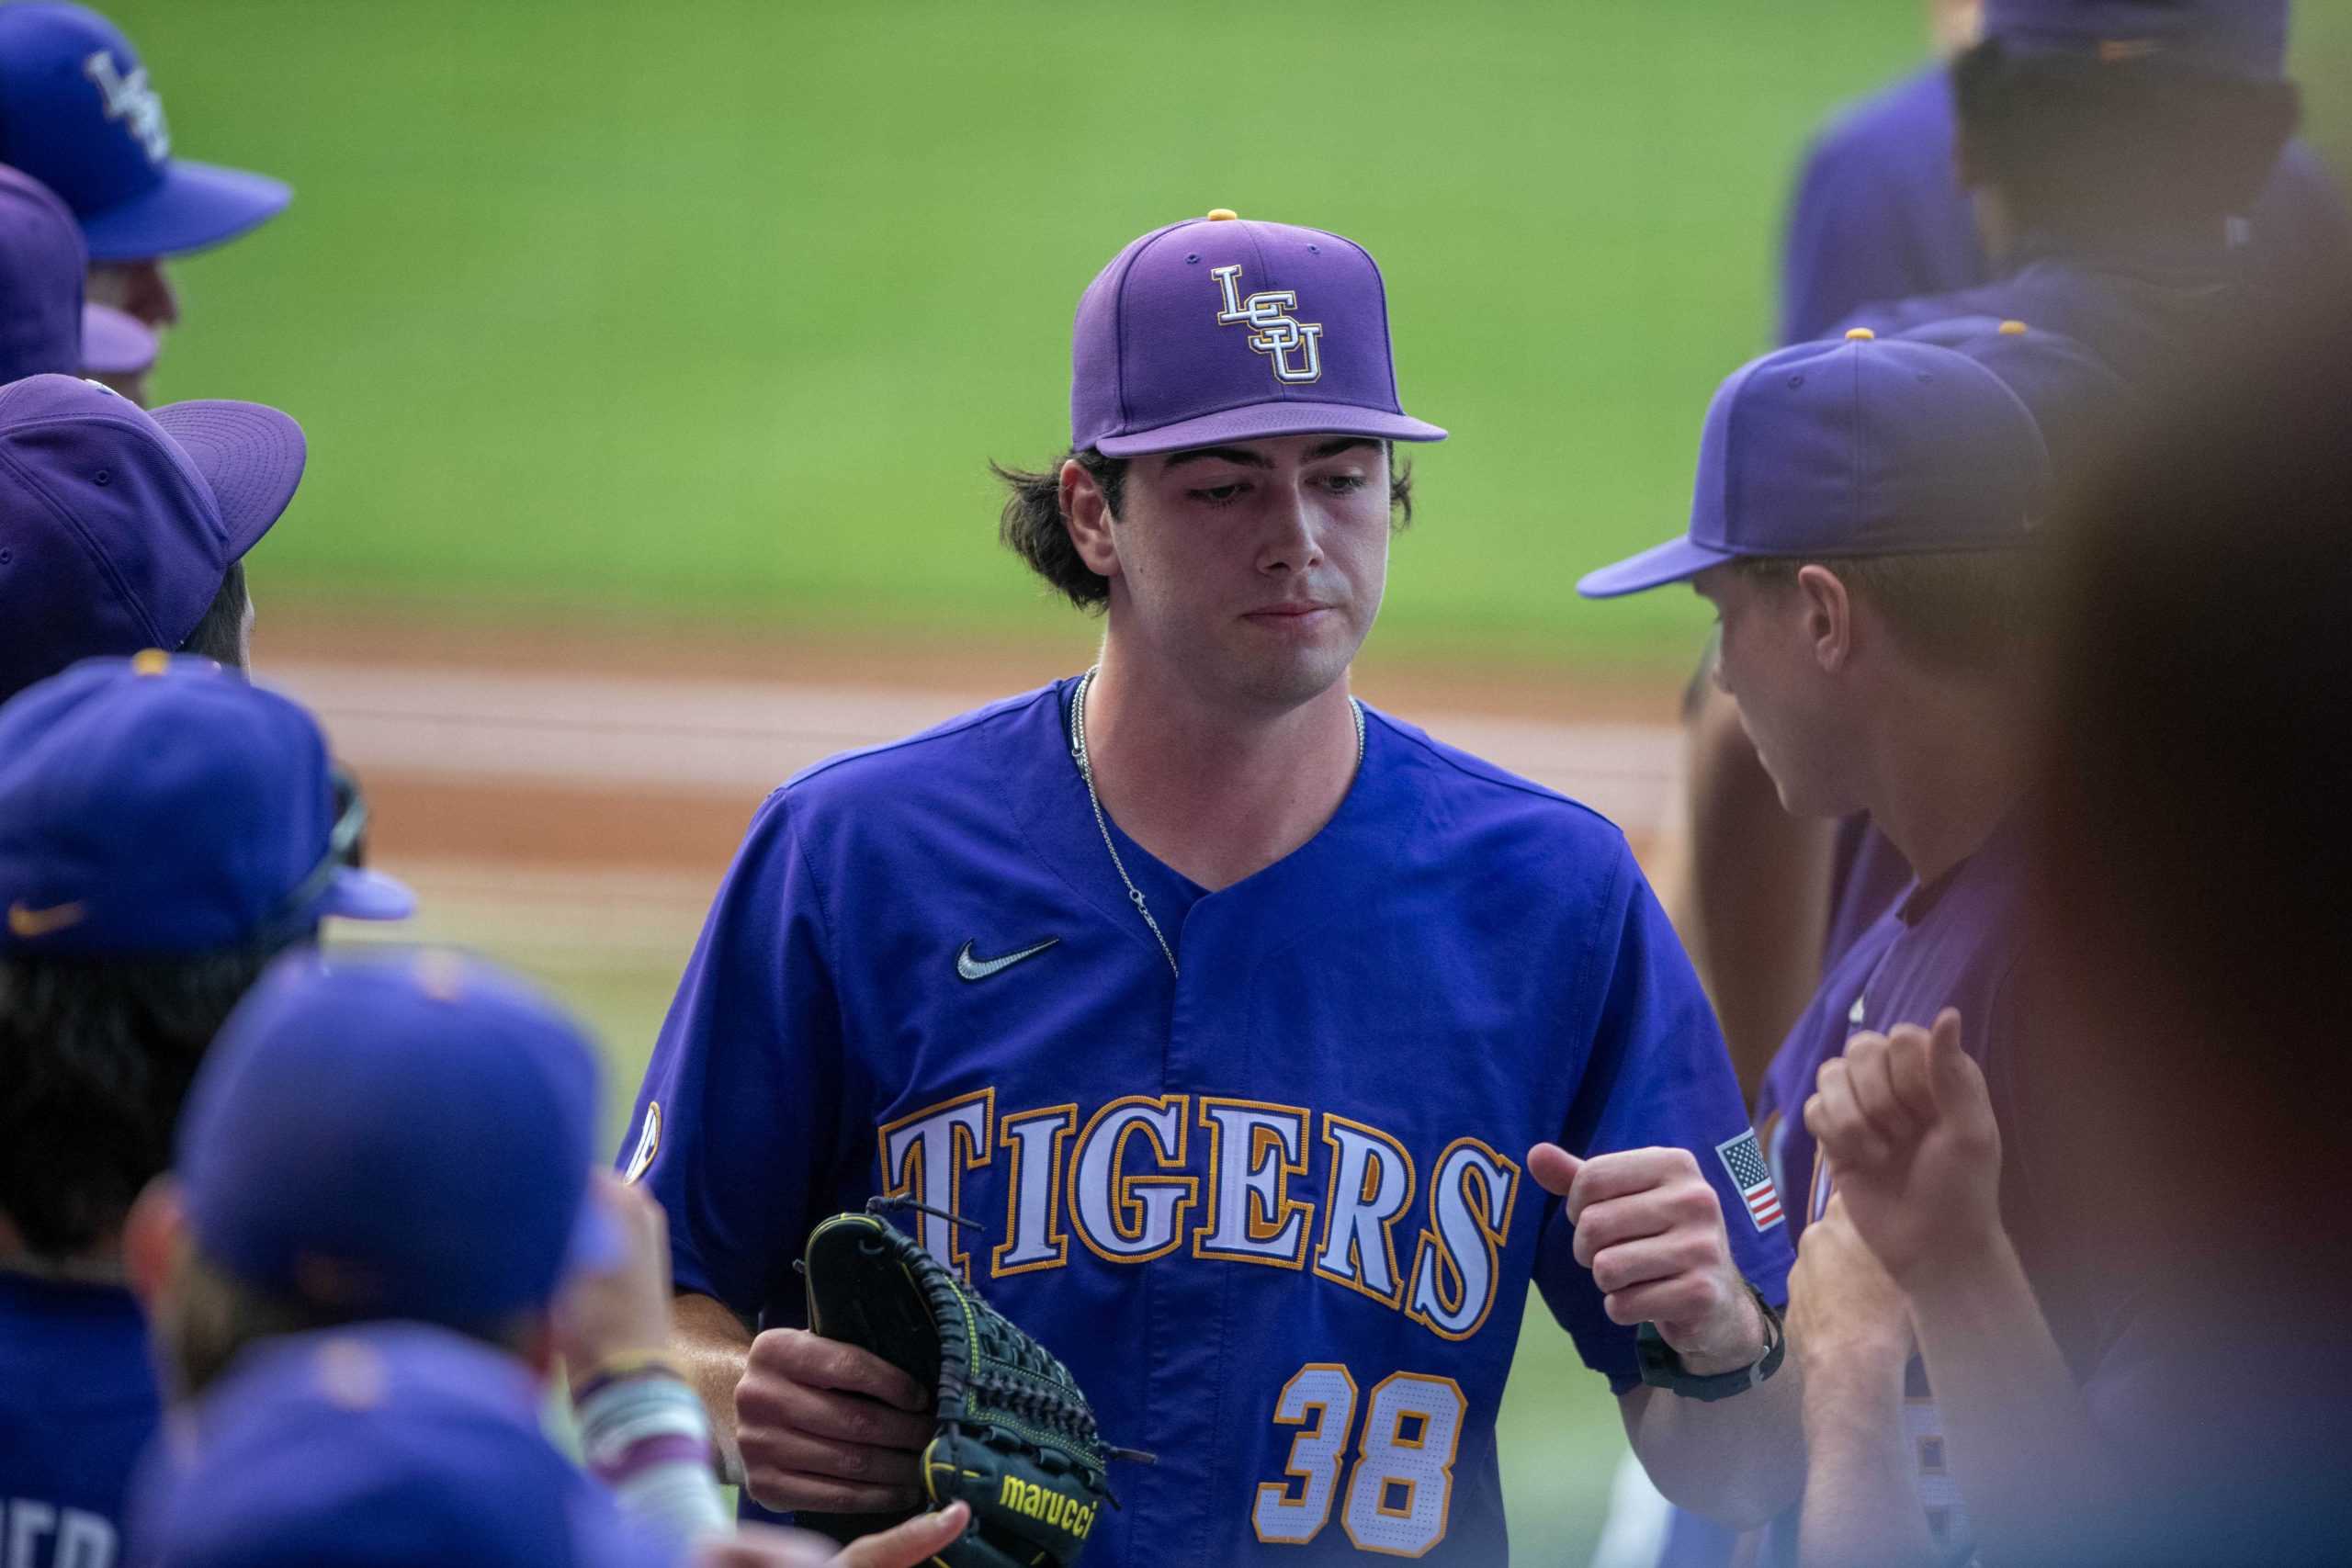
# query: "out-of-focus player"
[78,113]
[1870,559]
[1879,211]
[362,1343]
[1255,1030]
[2107,145]
[122,529]
[165,830]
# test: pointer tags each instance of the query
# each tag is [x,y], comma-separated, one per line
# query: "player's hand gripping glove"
[1015,1437]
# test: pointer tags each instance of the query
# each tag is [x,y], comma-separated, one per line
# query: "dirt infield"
[485,742]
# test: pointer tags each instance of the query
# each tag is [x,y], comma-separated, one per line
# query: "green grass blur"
[715,309]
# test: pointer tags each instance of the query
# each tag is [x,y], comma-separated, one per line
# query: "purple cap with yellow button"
[1221,329]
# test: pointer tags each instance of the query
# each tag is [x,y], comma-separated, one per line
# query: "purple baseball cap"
[117,524]
[381,1445]
[399,1134]
[1861,446]
[156,805]
[76,111]
[41,268]
[2235,38]
[115,343]
[2077,400]
[1217,329]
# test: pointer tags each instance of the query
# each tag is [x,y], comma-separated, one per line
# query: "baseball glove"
[1015,1437]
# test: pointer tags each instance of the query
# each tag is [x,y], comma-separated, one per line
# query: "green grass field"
[714,310]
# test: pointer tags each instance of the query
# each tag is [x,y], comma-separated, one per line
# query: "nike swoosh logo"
[28,922]
[971,968]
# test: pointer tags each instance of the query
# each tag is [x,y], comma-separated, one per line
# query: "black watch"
[1662,1368]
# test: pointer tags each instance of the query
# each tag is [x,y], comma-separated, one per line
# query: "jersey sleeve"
[1656,1076]
[732,1132]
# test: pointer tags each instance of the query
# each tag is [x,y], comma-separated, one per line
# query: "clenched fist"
[1906,1124]
[1651,1229]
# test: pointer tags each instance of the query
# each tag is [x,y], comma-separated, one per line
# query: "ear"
[154,1237]
[1828,617]
[1087,514]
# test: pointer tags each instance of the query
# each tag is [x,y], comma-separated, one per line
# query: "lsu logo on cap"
[131,100]
[1279,334]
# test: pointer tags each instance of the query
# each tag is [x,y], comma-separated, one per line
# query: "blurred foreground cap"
[42,268]
[118,525]
[155,805]
[380,1446]
[398,1134]
[2232,38]
[1863,446]
[1219,329]
[77,113]
[115,343]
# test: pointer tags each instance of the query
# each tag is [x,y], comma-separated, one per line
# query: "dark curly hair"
[2085,145]
[96,1058]
[1034,528]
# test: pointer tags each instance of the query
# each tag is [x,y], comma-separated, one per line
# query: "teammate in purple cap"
[1258,1034]
[121,529]
[45,327]
[363,1340]
[1879,212]
[2106,144]
[1864,525]
[78,113]
[165,830]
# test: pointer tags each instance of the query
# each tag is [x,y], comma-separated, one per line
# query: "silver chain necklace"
[1102,823]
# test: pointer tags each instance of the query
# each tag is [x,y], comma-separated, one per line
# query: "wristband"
[1661,1364]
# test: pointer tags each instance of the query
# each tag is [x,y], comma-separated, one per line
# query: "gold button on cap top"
[1223,214]
[1860,335]
[151,662]
[2013,328]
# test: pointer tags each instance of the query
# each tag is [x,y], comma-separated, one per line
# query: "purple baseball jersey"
[1953,943]
[78,1404]
[1879,215]
[1272,1213]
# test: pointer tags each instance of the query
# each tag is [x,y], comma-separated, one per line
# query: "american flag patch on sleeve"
[1745,1161]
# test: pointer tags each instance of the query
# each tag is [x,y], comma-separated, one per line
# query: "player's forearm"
[711,1344]
[1738,1461]
[1862,1506]
[2031,1464]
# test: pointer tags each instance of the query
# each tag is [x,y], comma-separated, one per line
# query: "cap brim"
[251,455]
[1677,561]
[1259,421]
[196,206]
[114,342]
[367,896]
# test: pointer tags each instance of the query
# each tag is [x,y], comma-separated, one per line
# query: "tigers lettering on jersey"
[1124,1180]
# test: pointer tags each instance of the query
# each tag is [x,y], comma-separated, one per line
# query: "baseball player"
[1251,1036]
[365,1343]
[121,529]
[45,327]
[1864,531]
[1879,211]
[2106,144]
[165,829]
[78,113]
